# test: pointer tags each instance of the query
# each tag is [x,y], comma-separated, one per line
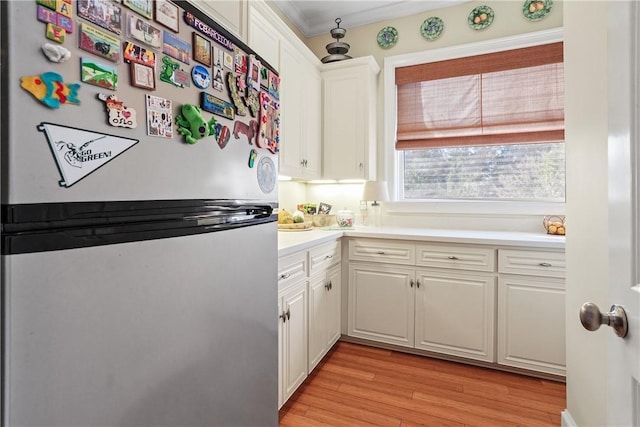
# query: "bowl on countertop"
[321,220]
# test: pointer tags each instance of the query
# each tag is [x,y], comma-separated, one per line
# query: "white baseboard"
[567,420]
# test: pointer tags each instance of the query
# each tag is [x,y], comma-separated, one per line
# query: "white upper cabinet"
[231,14]
[300,91]
[349,118]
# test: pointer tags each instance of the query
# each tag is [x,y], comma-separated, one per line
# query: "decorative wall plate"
[480,17]
[432,28]
[201,77]
[534,10]
[387,37]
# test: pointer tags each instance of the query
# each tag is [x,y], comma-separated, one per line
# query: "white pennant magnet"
[79,152]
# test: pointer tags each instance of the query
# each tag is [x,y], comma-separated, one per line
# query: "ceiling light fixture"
[337,50]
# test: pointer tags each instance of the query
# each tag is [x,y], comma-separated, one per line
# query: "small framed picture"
[201,50]
[142,76]
[167,14]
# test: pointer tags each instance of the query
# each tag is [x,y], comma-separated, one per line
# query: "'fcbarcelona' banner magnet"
[79,152]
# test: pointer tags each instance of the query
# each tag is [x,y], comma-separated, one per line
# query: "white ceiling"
[314,17]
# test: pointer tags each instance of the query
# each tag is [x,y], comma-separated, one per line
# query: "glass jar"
[345,218]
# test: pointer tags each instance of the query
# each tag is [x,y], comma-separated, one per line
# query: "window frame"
[393,165]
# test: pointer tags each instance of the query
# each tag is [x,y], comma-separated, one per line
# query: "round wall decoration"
[387,37]
[534,10]
[432,28]
[480,17]
[267,175]
[200,76]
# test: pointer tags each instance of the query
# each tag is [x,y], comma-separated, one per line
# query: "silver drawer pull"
[453,257]
[285,276]
[328,257]
[380,252]
[545,264]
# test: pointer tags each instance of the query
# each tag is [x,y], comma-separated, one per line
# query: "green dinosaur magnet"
[192,125]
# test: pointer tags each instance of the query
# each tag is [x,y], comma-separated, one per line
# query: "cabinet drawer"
[532,263]
[381,251]
[323,257]
[456,257]
[291,269]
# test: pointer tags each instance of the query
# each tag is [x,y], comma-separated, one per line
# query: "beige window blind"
[509,97]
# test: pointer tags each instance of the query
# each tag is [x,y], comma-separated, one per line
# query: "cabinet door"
[381,303]
[263,38]
[294,339]
[318,296]
[531,323]
[231,14]
[334,308]
[455,313]
[310,132]
[291,156]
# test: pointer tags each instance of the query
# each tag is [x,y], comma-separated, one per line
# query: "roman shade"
[508,97]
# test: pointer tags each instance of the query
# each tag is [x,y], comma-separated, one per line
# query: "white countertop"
[294,241]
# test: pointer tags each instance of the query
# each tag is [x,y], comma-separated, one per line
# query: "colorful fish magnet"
[50,89]
[119,114]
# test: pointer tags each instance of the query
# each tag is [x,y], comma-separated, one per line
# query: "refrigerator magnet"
[159,117]
[201,50]
[98,42]
[274,85]
[249,130]
[56,33]
[172,74]
[222,135]
[131,52]
[142,31]
[201,77]
[266,174]
[253,102]
[269,132]
[176,47]
[217,106]
[79,152]
[252,157]
[232,86]
[103,13]
[253,74]
[98,74]
[50,89]
[56,53]
[118,114]
[192,125]
[143,7]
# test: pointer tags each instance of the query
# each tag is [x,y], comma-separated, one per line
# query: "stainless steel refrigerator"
[138,266]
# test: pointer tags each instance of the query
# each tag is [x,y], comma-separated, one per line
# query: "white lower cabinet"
[293,339]
[531,307]
[455,313]
[381,303]
[324,313]
[309,306]
[445,311]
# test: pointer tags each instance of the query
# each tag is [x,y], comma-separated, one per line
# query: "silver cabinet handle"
[283,316]
[545,264]
[591,318]
[380,252]
[417,283]
[288,313]
[328,257]
[285,276]
[326,286]
[453,257]
[411,283]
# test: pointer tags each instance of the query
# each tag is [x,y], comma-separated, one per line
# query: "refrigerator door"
[168,332]
[35,137]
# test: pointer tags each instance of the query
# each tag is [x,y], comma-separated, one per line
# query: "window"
[487,126]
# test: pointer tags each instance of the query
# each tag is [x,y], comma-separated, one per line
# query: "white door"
[623,364]
[624,196]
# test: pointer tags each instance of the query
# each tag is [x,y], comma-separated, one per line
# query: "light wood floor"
[357,385]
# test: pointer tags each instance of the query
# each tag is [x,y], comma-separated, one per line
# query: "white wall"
[587,250]
[508,21]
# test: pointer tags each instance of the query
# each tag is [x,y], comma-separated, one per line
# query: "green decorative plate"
[387,37]
[536,9]
[480,17]
[432,28]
